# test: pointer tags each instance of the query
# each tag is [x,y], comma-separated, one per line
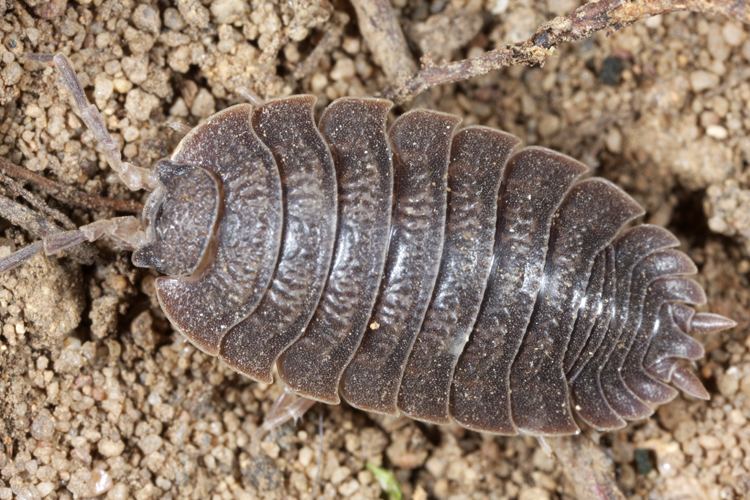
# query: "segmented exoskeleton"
[438,272]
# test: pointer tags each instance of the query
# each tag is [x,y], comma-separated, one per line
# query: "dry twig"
[16,189]
[382,33]
[330,40]
[39,226]
[67,194]
[582,23]
[586,466]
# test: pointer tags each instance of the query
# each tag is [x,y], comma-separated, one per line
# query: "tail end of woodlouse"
[710,323]
[683,377]
[673,348]
[688,382]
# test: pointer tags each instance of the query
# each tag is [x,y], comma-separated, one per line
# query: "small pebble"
[561,7]
[614,141]
[194,13]
[110,448]
[729,382]
[130,134]
[135,68]
[654,22]
[343,70]
[103,89]
[703,80]
[717,132]
[122,85]
[173,20]
[150,444]
[43,426]
[733,34]
[45,488]
[499,7]
[318,82]
[118,492]
[348,488]
[228,11]
[339,475]
[146,18]
[351,45]
[534,494]
[204,104]
[709,442]
[746,50]
[306,456]
[11,74]
[140,104]
[549,125]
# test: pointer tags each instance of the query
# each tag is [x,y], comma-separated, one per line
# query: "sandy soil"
[99,397]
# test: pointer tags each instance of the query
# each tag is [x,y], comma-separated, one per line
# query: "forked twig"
[16,189]
[382,33]
[586,466]
[68,194]
[580,24]
[39,227]
[328,42]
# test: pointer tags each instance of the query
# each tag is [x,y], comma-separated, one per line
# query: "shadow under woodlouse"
[444,274]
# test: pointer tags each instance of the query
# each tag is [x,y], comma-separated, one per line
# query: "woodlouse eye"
[181,214]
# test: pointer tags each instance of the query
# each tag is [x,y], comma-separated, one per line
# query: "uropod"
[442,273]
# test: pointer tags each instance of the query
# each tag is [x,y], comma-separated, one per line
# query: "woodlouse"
[445,274]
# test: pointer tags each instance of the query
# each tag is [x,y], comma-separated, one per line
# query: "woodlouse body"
[442,274]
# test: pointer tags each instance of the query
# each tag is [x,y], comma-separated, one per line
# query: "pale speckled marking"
[306,166]
[421,141]
[313,365]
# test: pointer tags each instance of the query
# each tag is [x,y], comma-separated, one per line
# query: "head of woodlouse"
[180,216]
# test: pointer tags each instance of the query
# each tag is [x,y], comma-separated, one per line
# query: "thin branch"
[582,23]
[379,27]
[67,194]
[39,227]
[586,466]
[15,188]
[329,41]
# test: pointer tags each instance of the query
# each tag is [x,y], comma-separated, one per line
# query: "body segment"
[421,142]
[356,133]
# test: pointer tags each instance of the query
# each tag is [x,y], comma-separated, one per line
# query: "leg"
[249,96]
[319,458]
[180,127]
[20,256]
[67,194]
[288,406]
[124,229]
[135,178]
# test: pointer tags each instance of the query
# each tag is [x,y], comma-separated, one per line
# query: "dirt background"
[99,397]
